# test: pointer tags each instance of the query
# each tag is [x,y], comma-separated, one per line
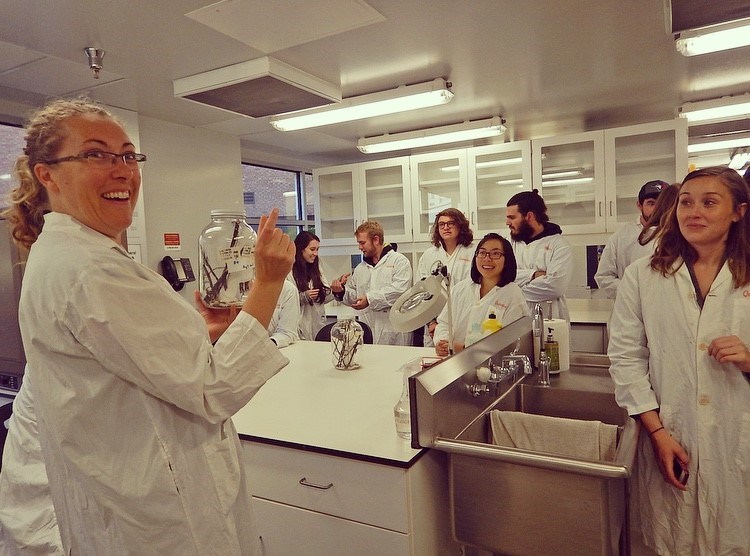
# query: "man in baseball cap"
[623,247]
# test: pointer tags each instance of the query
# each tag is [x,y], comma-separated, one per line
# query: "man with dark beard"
[544,258]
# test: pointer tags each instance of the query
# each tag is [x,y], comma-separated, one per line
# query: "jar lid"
[228,213]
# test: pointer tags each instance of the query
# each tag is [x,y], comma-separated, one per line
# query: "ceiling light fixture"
[717,109]
[401,99]
[740,158]
[714,38]
[96,62]
[730,141]
[467,131]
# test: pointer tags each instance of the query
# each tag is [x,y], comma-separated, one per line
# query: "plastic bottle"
[553,352]
[491,324]
[226,250]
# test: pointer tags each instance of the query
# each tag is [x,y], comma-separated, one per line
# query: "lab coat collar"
[61,222]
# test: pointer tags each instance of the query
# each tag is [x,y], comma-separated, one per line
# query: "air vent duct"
[257,88]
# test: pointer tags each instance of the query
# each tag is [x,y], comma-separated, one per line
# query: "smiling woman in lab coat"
[490,289]
[132,402]
[679,340]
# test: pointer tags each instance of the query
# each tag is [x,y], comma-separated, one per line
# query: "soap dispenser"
[491,324]
[552,348]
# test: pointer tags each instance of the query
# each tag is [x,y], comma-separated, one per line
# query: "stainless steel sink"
[513,501]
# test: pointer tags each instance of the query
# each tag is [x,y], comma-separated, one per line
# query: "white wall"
[189,172]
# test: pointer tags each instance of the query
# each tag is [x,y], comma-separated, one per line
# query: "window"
[11,147]
[266,188]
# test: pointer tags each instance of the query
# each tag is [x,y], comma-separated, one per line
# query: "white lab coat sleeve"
[131,338]
[462,299]
[286,317]
[385,295]
[350,288]
[606,273]
[554,283]
[628,350]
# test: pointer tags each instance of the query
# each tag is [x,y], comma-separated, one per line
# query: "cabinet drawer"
[315,534]
[360,491]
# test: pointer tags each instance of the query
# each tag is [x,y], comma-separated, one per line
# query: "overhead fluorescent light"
[740,159]
[401,99]
[730,141]
[466,131]
[715,38]
[572,181]
[486,164]
[717,109]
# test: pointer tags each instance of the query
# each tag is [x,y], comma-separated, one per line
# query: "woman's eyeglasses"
[494,255]
[102,159]
[447,224]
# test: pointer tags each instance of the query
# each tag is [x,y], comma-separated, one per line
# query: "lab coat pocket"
[223,464]
[742,457]
[740,326]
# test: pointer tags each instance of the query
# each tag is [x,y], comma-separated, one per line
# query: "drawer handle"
[304,482]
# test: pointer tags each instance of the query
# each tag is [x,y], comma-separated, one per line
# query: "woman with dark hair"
[452,246]
[314,290]
[664,203]
[490,290]
[680,332]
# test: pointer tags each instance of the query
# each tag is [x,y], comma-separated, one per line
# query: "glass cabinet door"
[638,154]
[337,211]
[438,182]
[569,174]
[496,173]
[386,198]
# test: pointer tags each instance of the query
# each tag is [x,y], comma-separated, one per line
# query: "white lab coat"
[552,254]
[312,315]
[622,248]
[285,319]
[383,284]
[459,262]
[468,311]
[459,268]
[659,359]
[133,403]
[28,526]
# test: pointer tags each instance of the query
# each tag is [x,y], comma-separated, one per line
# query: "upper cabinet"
[350,194]
[495,174]
[438,183]
[590,181]
[637,154]
[569,174]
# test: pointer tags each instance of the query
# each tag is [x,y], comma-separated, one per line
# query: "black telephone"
[177,272]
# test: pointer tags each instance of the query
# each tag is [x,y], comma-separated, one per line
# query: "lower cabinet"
[307,503]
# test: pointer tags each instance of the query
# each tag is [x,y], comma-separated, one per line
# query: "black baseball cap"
[651,190]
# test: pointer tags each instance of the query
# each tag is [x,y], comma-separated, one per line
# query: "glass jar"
[226,250]
[346,337]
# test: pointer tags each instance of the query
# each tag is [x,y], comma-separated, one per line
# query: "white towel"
[588,440]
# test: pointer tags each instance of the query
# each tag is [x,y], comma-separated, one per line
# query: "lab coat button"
[704,399]
[703,346]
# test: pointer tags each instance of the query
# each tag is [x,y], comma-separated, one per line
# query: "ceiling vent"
[257,88]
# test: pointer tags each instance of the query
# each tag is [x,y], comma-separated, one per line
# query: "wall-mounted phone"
[177,271]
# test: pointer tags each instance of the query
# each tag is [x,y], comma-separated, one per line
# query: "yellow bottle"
[491,324]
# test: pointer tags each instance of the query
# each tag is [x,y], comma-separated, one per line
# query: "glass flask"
[402,409]
[346,337]
[226,250]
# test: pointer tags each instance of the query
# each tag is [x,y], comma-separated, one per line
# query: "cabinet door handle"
[610,208]
[600,209]
[304,482]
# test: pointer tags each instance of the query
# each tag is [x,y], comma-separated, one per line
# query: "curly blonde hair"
[45,133]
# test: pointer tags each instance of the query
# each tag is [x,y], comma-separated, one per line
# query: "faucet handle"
[517,348]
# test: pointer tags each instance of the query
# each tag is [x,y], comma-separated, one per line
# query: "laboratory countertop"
[311,405]
[589,311]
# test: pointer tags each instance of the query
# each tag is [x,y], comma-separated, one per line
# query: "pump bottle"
[552,347]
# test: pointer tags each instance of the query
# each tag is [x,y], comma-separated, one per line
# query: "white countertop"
[311,405]
[589,311]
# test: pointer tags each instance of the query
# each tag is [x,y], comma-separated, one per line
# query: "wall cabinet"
[353,193]
[346,506]
[590,181]
[478,181]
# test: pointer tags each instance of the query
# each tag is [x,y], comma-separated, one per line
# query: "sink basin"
[514,501]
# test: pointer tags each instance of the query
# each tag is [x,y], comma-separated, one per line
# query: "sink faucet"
[511,362]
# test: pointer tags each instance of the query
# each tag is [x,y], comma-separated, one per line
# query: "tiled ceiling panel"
[257,22]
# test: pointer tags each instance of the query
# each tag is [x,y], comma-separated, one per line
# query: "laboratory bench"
[327,471]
